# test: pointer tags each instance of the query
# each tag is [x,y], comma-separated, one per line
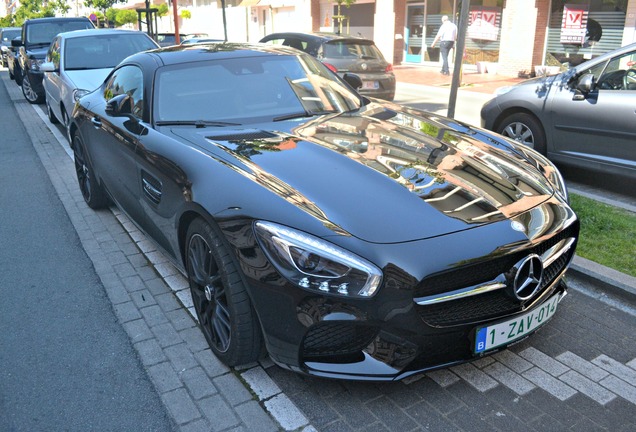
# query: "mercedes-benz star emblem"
[528,277]
[364,66]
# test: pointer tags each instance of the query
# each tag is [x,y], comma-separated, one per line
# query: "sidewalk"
[470,78]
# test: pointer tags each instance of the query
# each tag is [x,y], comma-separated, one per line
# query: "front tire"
[92,191]
[220,298]
[525,129]
[29,92]
[51,114]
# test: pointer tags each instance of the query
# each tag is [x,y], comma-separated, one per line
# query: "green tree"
[35,9]
[102,5]
[125,16]
[163,9]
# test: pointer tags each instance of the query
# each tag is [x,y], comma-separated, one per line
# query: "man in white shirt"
[447,35]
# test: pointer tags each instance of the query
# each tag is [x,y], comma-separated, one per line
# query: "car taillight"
[389,68]
[331,67]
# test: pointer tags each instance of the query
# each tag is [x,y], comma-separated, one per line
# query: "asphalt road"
[65,361]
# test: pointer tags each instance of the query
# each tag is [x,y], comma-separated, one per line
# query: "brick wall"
[543,17]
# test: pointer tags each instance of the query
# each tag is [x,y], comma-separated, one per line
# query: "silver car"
[77,62]
[583,118]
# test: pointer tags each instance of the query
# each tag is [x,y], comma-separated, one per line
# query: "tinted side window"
[127,80]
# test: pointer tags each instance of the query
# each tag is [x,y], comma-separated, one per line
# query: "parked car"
[345,54]
[11,60]
[582,118]
[6,35]
[37,35]
[195,40]
[350,237]
[78,62]
[168,39]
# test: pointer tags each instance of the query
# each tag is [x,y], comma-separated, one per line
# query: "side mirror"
[16,43]
[353,80]
[48,67]
[119,106]
[584,86]
[586,83]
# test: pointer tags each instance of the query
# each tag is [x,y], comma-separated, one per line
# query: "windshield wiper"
[196,123]
[303,114]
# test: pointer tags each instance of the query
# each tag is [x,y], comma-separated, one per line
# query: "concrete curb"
[610,280]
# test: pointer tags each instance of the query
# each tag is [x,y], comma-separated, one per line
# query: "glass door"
[415,33]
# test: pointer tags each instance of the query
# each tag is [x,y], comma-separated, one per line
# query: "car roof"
[322,37]
[93,32]
[210,50]
[53,19]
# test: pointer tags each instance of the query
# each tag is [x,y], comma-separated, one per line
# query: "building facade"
[514,36]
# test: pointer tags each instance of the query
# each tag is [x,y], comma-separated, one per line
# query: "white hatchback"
[77,62]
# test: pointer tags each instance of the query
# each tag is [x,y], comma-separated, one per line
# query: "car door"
[598,128]
[53,82]
[114,138]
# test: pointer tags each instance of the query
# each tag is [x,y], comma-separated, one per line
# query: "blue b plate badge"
[509,331]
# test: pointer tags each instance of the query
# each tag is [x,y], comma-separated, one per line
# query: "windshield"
[43,33]
[7,35]
[103,51]
[261,88]
[350,50]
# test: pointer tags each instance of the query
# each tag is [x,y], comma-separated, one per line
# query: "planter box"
[482,67]
[541,70]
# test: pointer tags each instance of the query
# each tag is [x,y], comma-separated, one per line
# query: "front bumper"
[400,331]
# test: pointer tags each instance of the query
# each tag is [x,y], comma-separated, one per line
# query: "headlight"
[316,265]
[78,93]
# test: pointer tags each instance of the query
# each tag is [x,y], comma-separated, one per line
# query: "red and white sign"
[574,24]
[484,23]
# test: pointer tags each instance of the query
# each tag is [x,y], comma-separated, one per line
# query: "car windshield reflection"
[250,88]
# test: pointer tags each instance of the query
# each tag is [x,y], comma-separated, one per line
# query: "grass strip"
[608,234]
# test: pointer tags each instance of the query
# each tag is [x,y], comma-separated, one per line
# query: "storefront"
[520,34]
[423,19]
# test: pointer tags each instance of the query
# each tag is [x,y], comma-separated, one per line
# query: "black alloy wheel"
[524,128]
[220,299]
[29,92]
[93,193]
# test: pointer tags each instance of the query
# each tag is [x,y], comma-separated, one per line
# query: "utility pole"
[462,26]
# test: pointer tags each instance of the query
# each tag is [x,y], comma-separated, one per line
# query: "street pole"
[462,26]
[224,20]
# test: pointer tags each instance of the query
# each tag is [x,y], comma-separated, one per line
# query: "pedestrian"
[447,35]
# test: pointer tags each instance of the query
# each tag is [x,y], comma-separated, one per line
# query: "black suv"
[6,35]
[37,35]
[345,54]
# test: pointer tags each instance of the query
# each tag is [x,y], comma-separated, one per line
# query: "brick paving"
[578,372]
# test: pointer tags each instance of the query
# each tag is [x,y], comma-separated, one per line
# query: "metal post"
[224,20]
[462,26]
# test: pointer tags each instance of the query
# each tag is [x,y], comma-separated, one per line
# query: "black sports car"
[350,238]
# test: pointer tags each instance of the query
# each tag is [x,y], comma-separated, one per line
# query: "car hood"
[88,79]
[386,174]
[38,53]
